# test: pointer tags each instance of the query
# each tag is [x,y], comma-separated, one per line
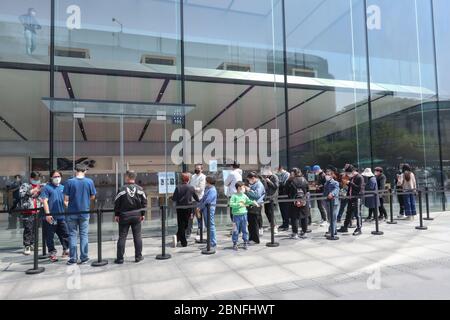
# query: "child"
[238,203]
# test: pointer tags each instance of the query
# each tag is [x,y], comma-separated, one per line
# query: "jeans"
[323,214]
[332,217]
[125,222]
[410,204]
[78,224]
[344,203]
[212,226]
[30,39]
[240,224]
[61,231]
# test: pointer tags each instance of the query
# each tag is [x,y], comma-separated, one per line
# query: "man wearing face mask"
[52,197]
[29,199]
[355,187]
[331,191]
[198,181]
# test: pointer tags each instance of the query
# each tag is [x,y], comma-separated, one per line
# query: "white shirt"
[198,181]
[234,177]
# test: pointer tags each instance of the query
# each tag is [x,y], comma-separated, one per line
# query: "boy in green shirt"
[238,203]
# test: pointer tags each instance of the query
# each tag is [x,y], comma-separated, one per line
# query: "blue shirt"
[257,192]
[55,196]
[79,192]
[332,187]
[210,197]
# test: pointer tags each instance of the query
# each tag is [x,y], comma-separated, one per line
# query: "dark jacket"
[271,186]
[321,180]
[371,201]
[283,179]
[183,195]
[293,185]
[130,201]
[355,186]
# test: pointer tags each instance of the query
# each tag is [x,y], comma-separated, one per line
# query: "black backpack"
[301,198]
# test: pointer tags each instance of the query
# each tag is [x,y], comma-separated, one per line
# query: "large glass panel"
[404,113]
[327,79]
[25,31]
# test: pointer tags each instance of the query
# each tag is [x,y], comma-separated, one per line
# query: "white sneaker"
[294,236]
[323,223]
[174,239]
[275,230]
[27,250]
[261,231]
[400,216]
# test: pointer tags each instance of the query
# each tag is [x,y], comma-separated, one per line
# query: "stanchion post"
[272,243]
[44,237]
[427,204]
[163,255]
[377,231]
[208,249]
[100,262]
[332,237]
[391,207]
[421,226]
[36,269]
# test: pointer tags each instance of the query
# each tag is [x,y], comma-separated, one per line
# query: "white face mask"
[328,178]
[56,181]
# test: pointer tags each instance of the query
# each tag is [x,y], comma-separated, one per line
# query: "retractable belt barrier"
[38,213]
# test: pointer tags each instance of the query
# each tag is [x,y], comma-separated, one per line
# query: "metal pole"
[421,226]
[391,208]
[36,269]
[100,262]
[377,231]
[272,243]
[208,249]
[44,238]
[163,255]
[427,204]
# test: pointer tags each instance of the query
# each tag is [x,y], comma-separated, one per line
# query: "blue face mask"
[35,181]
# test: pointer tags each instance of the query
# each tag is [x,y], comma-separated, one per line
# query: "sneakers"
[138,259]
[27,250]
[65,254]
[71,262]
[245,247]
[118,261]
[342,230]
[401,216]
[53,258]
[235,247]
[302,235]
[261,231]
[275,230]
[357,232]
[294,236]
[322,223]
[174,241]
[85,261]
[283,228]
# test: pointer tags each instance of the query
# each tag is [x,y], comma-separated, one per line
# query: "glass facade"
[343,81]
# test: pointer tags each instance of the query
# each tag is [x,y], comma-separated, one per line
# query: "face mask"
[35,181]
[56,181]
[328,178]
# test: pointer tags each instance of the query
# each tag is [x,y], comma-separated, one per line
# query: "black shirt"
[130,200]
[183,195]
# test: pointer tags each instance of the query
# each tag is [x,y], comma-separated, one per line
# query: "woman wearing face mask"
[52,197]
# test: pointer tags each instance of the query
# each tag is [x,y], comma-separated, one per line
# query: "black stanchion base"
[43,257]
[163,256]
[391,222]
[335,238]
[200,241]
[209,252]
[35,271]
[377,233]
[428,219]
[272,244]
[422,228]
[99,263]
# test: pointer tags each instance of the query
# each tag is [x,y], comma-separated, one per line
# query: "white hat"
[368,173]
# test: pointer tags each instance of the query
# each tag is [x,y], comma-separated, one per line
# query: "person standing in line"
[256,192]
[209,198]
[52,198]
[29,199]
[381,182]
[198,181]
[30,25]
[399,189]
[183,195]
[238,204]
[79,191]
[408,183]
[343,180]
[283,177]
[234,177]
[271,183]
[331,191]
[320,182]
[371,199]
[130,205]
[355,187]
[298,190]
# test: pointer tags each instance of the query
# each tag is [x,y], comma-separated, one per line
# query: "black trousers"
[382,209]
[284,209]
[183,217]
[28,230]
[125,223]
[298,216]
[353,211]
[401,202]
[323,213]
[372,213]
[254,223]
[269,209]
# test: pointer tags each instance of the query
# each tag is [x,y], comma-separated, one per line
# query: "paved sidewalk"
[405,263]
